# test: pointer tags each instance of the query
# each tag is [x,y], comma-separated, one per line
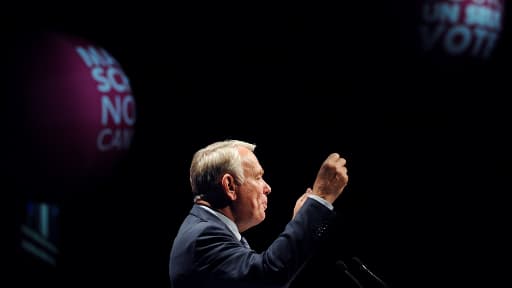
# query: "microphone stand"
[363,267]
[342,266]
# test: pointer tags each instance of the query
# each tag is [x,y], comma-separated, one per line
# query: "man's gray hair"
[210,163]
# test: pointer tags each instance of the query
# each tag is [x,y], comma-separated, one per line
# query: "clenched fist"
[331,178]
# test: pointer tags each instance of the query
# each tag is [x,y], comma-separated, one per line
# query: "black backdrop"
[426,143]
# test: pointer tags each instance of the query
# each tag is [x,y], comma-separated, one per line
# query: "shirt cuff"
[322,201]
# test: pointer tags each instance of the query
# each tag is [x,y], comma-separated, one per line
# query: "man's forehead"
[249,159]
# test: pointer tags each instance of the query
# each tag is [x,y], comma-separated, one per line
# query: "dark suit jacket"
[205,253]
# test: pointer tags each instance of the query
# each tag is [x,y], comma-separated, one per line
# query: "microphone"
[363,267]
[342,266]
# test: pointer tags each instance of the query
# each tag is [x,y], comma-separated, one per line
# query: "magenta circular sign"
[78,111]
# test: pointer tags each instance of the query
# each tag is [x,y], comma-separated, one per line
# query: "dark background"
[425,139]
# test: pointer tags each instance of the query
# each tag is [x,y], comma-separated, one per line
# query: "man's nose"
[267,189]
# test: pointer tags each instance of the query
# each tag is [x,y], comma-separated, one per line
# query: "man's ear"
[228,183]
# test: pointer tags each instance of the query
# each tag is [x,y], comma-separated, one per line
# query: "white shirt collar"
[231,225]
